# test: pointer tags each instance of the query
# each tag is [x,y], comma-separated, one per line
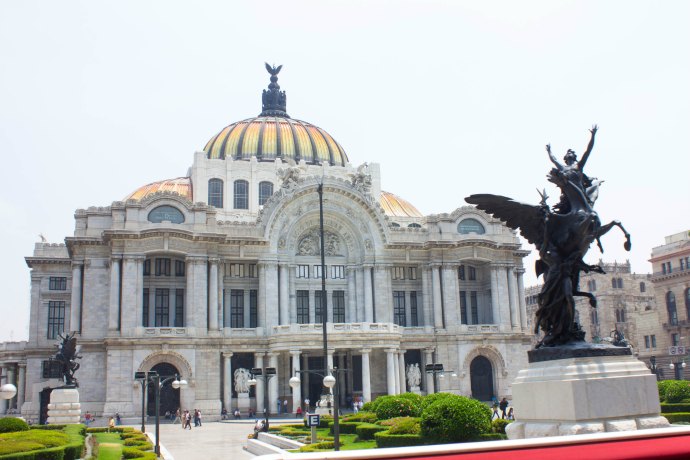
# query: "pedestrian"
[118,420]
[495,410]
[237,414]
[306,404]
[504,407]
[198,416]
[111,424]
[177,416]
[298,412]
[280,404]
[187,420]
[88,419]
[285,406]
[511,416]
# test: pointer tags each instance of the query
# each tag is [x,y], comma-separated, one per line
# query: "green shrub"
[455,419]
[678,417]
[490,437]
[366,417]
[674,391]
[319,446]
[366,431]
[406,425]
[12,424]
[385,439]
[397,406]
[132,452]
[499,425]
[676,407]
[135,441]
[369,406]
[432,398]
[345,427]
[19,446]
[48,427]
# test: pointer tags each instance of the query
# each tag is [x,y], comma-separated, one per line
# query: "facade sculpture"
[414,375]
[242,378]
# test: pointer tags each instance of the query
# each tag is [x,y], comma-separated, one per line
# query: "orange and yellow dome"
[394,206]
[181,185]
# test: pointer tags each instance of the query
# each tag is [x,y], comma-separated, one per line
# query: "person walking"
[111,424]
[504,406]
[285,406]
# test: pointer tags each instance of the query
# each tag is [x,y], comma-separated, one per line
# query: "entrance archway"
[169,397]
[44,400]
[482,378]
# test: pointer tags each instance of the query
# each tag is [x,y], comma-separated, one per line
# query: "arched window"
[595,317]
[619,283]
[592,285]
[395,224]
[620,315]
[671,307]
[265,192]
[471,226]
[241,193]
[169,213]
[413,225]
[215,193]
[643,287]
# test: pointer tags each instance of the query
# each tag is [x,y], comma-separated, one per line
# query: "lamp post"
[678,367]
[437,369]
[152,378]
[652,366]
[329,382]
[265,374]
[8,390]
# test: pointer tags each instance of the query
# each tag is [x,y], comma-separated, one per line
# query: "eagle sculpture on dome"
[273,70]
[562,235]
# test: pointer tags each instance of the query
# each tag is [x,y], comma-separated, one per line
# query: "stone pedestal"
[416,390]
[581,395]
[325,406]
[243,402]
[64,406]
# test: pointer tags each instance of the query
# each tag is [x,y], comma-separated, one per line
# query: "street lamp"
[146,379]
[264,374]
[678,368]
[8,390]
[652,366]
[437,369]
[329,382]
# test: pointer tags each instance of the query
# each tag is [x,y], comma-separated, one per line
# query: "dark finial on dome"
[273,100]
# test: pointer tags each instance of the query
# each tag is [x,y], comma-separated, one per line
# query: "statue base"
[325,406]
[64,406]
[580,395]
[243,402]
[416,390]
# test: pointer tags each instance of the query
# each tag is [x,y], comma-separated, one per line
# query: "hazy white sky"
[450,97]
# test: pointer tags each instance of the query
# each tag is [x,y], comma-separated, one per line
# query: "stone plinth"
[64,406]
[243,402]
[416,390]
[584,395]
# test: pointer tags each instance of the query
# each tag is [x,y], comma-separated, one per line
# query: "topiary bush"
[678,417]
[680,407]
[366,431]
[432,398]
[406,425]
[499,425]
[674,391]
[386,439]
[369,406]
[12,424]
[455,419]
[397,406]
[345,427]
[366,417]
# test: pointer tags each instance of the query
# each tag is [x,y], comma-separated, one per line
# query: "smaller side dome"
[180,185]
[394,206]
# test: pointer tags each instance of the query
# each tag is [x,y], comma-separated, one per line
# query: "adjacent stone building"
[220,269]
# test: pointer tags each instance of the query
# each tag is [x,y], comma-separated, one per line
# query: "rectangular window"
[179,268]
[251,271]
[237,308]
[473,305]
[303,271]
[56,319]
[399,308]
[472,274]
[147,267]
[398,273]
[253,313]
[675,339]
[337,271]
[413,309]
[145,309]
[317,272]
[411,273]
[461,273]
[463,307]
[318,309]
[302,307]
[682,264]
[653,341]
[179,307]
[162,313]
[52,369]
[57,283]
[163,267]
[646,341]
[338,306]
[237,270]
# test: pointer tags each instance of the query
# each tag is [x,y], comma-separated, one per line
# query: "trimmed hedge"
[674,407]
[345,427]
[366,417]
[406,425]
[12,424]
[366,431]
[428,400]
[455,419]
[319,446]
[675,417]
[398,406]
[490,437]
[53,444]
[385,439]
[499,425]
[117,429]
[673,391]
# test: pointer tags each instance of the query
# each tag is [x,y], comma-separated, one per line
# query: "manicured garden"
[121,442]
[48,442]
[404,420]
[675,400]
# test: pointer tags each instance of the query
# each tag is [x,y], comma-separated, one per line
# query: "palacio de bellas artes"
[219,270]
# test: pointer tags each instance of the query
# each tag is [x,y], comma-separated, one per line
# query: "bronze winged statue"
[67,356]
[562,235]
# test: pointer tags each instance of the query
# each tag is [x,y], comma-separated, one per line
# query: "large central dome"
[273,134]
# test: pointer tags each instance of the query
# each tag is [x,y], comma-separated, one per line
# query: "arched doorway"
[44,400]
[482,378]
[169,397]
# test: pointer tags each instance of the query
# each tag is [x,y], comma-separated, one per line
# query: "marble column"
[368,298]
[273,383]
[341,378]
[351,314]
[429,359]
[132,294]
[200,305]
[512,296]
[3,402]
[437,301]
[366,375]
[427,310]
[504,302]
[213,295]
[21,384]
[390,371]
[450,294]
[292,295]
[272,293]
[359,287]
[227,381]
[221,299]
[329,360]
[75,306]
[189,292]
[11,379]
[521,298]
[114,305]
[261,300]
[259,391]
[401,367]
[296,392]
[283,278]
[396,365]
[495,305]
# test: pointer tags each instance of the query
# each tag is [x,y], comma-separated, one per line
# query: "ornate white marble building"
[220,269]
